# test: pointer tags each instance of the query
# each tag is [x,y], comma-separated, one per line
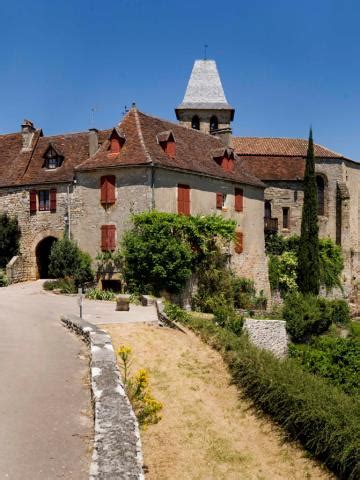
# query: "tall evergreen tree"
[308,262]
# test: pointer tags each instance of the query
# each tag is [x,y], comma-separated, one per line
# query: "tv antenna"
[125,111]
[205,51]
[92,115]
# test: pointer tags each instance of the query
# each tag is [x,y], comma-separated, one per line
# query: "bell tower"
[204,106]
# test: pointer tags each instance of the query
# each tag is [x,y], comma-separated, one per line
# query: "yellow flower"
[124,351]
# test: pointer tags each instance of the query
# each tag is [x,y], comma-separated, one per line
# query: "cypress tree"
[308,260]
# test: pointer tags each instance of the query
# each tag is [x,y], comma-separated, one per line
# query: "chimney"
[224,134]
[93,141]
[27,131]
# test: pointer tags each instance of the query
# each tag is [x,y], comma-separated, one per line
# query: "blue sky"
[284,64]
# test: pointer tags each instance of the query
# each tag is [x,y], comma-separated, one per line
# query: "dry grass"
[206,431]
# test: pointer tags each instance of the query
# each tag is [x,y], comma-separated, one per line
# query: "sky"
[285,65]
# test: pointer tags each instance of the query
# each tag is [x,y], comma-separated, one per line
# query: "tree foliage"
[9,238]
[162,250]
[308,277]
[67,260]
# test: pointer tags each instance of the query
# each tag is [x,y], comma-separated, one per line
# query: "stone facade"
[269,335]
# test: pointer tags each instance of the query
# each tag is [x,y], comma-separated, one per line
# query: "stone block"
[122,303]
[147,300]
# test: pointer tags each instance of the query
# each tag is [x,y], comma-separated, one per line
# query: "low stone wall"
[15,270]
[268,334]
[117,446]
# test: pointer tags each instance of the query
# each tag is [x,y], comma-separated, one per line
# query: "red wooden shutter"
[239,242]
[183,199]
[230,164]
[115,146]
[110,181]
[111,237]
[103,185]
[53,200]
[219,200]
[32,201]
[170,148]
[239,199]
[104,237]
[224,163]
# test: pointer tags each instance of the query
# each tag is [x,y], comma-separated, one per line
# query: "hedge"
[323,418]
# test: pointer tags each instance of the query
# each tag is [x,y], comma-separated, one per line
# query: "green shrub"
[283,272]
[355,329]
[324,419]
[3,279]
[175,313]
[162,250]
[67,260]
[340,312]
[9,238]
[336,359]
[227,317]
[98,294]
[306,315]
[65,285]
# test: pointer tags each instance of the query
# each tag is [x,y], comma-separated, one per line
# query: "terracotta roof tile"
[194,150]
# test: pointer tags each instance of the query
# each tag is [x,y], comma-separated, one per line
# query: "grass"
[207,432]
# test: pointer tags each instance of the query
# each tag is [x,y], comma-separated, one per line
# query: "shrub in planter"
[306,315]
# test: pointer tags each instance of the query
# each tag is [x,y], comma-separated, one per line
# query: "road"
[45,416]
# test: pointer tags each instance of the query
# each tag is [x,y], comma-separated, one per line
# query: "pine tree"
[308,261]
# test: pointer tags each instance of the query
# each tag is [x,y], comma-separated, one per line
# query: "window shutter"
[103,187]
[115,146]
[104,238]
[239,199]
[239,242]
[111,237]
[183,199]
[170,148]
[53,200]
[110,180]
[32,201]
[219,200]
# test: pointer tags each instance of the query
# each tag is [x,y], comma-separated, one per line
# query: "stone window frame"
[286,225]
[324,178]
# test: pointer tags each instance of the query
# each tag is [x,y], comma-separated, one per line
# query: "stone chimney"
[27,131]
[93,141]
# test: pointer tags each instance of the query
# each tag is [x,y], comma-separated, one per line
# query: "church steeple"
[204,106]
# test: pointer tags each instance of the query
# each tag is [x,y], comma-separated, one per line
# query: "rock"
[122,303]
[147,300]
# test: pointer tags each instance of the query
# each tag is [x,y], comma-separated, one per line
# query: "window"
[183,199]
[214,124]
[286,217]
[108,238]
[108,190]
[47,200]
[239,199]
[52,163]
[195,123]
[52,158]
[114,145]
[295,195]
[239,242]
[320,194]
[219,201]
[267,212]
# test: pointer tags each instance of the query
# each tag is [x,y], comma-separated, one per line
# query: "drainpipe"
[152,186]
[68,210]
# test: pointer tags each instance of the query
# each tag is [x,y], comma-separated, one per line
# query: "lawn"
[206,431]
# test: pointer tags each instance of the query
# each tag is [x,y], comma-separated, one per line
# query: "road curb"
[117,445]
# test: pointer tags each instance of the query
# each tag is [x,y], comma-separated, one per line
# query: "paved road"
[45,427]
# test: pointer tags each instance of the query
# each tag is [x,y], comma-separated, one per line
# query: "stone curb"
[117,445]
[163,318]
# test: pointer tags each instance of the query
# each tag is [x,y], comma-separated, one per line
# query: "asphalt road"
[45,426]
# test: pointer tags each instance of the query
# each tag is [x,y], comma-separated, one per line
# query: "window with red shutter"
[183,199]
[170,148]
[219,201]
[53,200]
[239,199]
[115,146]
[33,201]
[107,189]
[239,242]
[108,237]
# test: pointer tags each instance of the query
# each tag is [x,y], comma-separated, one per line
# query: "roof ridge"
[141,136]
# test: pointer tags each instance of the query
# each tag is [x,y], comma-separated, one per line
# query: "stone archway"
[42,253]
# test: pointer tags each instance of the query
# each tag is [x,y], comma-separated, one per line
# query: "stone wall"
[252,263]
[268,334]
[223,116]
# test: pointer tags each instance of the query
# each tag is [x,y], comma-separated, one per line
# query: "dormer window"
[117,140]
[167,142]
[52,158]
[225,158]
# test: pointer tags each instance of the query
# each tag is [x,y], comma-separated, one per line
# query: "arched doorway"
[42,256]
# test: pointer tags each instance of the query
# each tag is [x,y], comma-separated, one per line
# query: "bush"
[175,313]
[324,419]
[9,238]
[67,260]
[98,294]
[3,279]
[162,250]
[306,315]
[355,329]
[65,285]
[340,312]
[336,359]
[227,317]
[283,272]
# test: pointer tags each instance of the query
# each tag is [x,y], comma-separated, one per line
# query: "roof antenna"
[205,48]
[92,116]
[125,111]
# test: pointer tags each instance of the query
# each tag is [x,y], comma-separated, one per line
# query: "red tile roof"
[277,158]
[194,150]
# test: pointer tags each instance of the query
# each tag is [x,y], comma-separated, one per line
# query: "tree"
[9,238]
[309,262]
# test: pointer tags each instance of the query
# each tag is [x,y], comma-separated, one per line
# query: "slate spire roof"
[204,90]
